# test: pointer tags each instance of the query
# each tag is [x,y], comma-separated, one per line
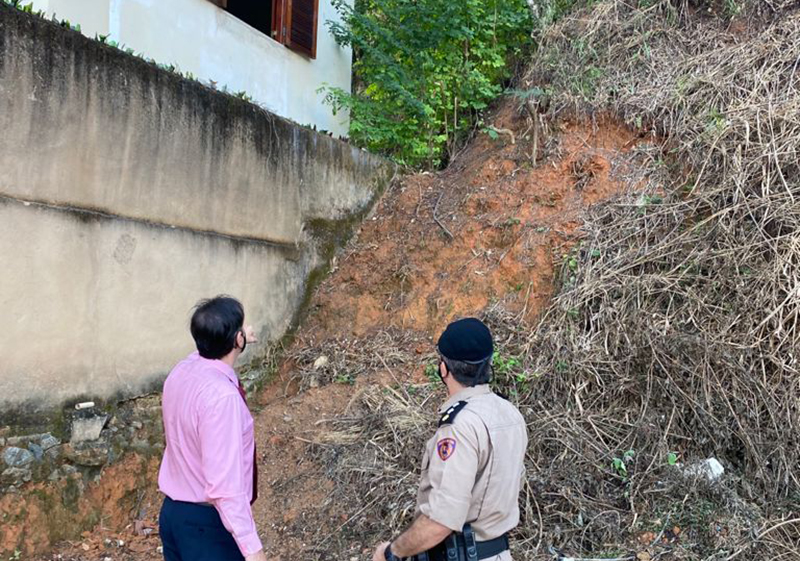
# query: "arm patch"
[449,415]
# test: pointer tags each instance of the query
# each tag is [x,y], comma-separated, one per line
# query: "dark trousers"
[192,532]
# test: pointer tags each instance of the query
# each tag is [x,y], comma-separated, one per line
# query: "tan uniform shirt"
[473,468]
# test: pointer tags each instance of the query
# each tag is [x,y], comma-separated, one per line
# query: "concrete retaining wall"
[127,194]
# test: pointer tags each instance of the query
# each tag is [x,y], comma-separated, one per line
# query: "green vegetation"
[619,464]
[425,70]
[432,372]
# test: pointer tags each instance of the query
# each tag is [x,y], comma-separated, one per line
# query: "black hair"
[215,323]
[468,374]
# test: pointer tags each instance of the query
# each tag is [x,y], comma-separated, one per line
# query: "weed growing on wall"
[424,70]
[27,8]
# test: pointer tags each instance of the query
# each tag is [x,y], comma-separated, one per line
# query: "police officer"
[472,467]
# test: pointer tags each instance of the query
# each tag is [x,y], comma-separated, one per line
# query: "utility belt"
[462,546]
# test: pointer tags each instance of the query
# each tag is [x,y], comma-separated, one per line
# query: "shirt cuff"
[248,543]
[451,518]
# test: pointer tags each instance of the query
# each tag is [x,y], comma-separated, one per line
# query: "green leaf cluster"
[424,70]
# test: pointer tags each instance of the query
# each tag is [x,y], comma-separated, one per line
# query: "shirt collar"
[466,394]
[218,365]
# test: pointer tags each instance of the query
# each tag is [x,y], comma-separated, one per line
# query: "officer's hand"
[250,334]
[258,556]
[378,555]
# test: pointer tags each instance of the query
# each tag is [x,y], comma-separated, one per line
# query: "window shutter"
[278,16]
[301,26]
[220,3]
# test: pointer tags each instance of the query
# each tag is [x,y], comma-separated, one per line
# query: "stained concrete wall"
[127,194]
[214,45]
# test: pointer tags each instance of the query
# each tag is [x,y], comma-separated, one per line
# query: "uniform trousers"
[192,532]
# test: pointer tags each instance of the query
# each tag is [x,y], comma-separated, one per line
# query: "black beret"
[466,340]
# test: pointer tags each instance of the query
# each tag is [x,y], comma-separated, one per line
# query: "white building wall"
[207,41]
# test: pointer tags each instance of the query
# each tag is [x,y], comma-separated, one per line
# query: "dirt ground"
[490,228]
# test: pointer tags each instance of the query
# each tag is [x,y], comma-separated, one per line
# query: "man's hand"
[257,556]
[379,552]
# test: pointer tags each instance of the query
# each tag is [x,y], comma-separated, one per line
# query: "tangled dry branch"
[677,331]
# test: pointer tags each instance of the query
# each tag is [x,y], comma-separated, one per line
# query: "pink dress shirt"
[210,443]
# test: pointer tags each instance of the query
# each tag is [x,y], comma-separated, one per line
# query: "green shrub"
[424,70]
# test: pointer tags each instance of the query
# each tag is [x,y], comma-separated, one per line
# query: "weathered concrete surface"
[86,126]
[127,194]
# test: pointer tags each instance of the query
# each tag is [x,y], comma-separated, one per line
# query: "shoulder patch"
[445,448]
[449,415]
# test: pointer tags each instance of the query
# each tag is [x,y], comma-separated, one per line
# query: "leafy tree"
[424,70]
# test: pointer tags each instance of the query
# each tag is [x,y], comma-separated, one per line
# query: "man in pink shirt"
[208,473]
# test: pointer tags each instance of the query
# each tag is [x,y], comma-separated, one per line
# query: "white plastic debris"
[321,362]
[710,468]
[84,405]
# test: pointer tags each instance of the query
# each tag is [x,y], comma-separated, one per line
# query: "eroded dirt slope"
[492,228]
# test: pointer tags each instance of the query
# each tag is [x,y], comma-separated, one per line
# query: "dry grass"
[677,330]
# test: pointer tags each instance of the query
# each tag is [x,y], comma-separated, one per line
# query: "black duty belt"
[461,546]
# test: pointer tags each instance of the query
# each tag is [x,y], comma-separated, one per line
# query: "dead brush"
[376,473]
[343,359]
[678,329]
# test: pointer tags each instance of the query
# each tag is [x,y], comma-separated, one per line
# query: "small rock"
[137,425]
[53,453]
[17,457]
[313,382]
[88,429]
[15,476]
[23,440]
[87,454]
[140,445]
[2,442]
[287,418]
[321,362]
[37,451]
[55,475]
[49,441]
